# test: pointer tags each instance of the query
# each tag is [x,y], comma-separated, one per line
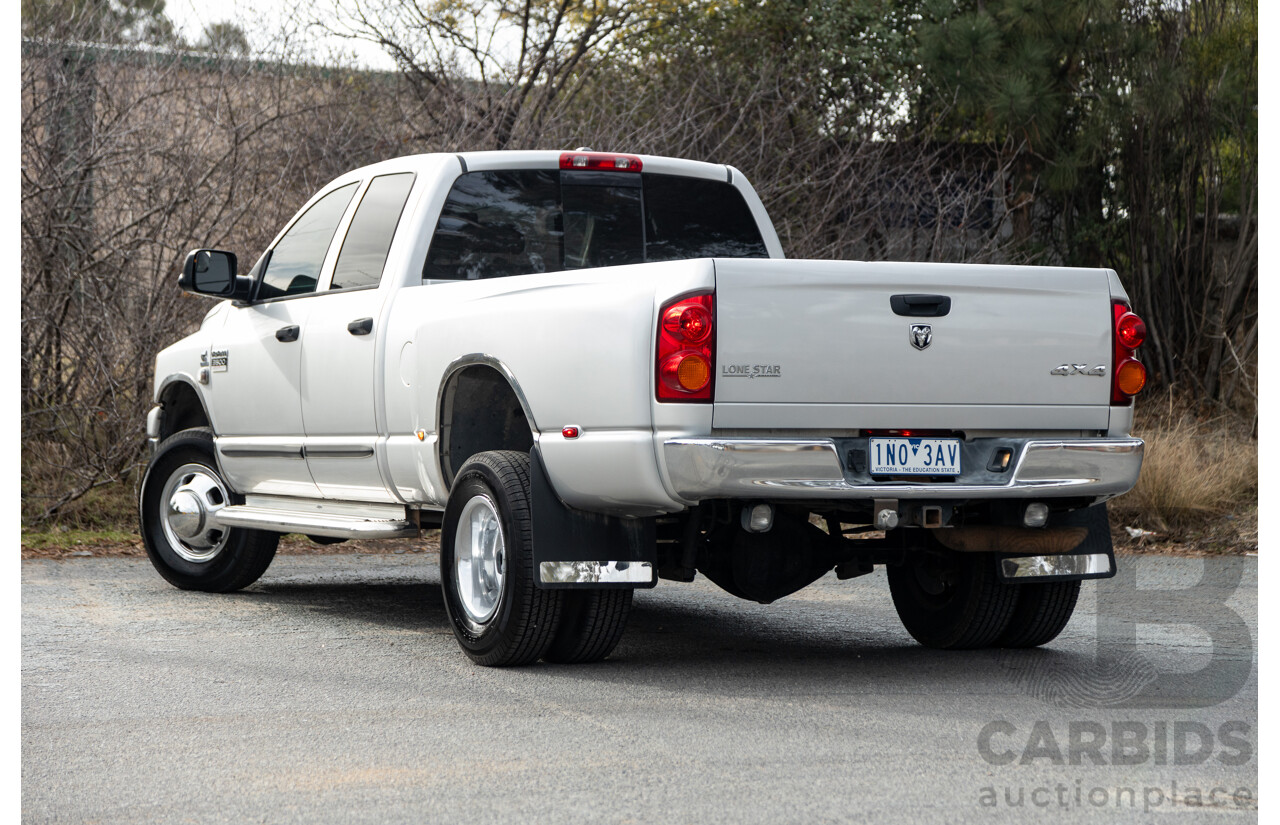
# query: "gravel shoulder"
[333,691]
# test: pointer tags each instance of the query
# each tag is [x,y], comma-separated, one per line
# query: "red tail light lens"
[1128,375]
[600,161]
[1131,330]
[686,349]
[689,322]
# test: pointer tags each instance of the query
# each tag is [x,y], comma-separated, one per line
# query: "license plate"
[915,456]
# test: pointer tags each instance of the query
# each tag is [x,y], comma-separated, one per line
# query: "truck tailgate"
[818,345]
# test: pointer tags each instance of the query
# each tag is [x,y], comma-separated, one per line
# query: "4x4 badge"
[1079,369]
[921,335]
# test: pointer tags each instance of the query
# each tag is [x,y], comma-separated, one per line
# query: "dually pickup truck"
[593,371]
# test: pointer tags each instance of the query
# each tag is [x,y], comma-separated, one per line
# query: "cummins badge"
[921,335]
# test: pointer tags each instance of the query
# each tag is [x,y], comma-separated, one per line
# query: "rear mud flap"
[574,549]
[1094,558]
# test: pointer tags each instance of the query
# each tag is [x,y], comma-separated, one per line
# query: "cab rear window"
[518,222]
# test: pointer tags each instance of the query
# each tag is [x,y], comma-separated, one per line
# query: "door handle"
[363,326]
[920,306]
[287,334]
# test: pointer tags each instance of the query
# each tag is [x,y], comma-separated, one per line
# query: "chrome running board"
[331,519]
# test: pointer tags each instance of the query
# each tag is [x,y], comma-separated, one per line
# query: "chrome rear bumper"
[708,468]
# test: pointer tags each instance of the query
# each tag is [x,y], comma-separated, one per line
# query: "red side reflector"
[570,432]
[600,161]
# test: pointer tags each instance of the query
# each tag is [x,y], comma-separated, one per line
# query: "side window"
[364,250]
[496,224]
[294,265]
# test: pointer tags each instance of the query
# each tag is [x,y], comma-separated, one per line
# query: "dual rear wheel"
[498,613]
[953,600]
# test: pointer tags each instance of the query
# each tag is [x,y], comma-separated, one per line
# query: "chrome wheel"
[479,555]
[190,501]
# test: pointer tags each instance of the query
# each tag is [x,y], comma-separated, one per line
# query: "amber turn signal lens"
[1131,377]
[693,373]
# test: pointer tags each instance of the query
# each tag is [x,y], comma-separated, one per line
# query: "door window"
[295,262]
[364,250]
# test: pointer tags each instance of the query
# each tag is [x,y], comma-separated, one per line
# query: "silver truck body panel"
[843,358]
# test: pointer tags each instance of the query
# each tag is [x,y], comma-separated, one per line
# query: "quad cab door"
[255,378]
[340,363]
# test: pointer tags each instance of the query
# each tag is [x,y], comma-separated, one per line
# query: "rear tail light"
[1131,377]
[1128,375]
[1131,331]
[686,349]
[600,161]
[690,321]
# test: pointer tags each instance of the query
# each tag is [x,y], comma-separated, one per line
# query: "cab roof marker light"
[600,161]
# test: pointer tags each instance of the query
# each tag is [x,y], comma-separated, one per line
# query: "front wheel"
[181,496]
[499,615]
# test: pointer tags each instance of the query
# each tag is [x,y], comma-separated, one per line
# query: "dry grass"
[46,479]
[1200,470]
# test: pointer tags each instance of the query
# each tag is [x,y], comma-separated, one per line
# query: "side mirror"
[213,272]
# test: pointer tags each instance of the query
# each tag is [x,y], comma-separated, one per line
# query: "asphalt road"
[333,691]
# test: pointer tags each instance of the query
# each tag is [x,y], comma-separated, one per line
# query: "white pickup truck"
[596,370]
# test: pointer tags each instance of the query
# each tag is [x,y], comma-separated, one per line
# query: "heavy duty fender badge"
[921,335]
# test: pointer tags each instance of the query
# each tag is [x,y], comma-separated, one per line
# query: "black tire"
[591,625]
[214,560]
[951,600]
[1042,611]
[512,622]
